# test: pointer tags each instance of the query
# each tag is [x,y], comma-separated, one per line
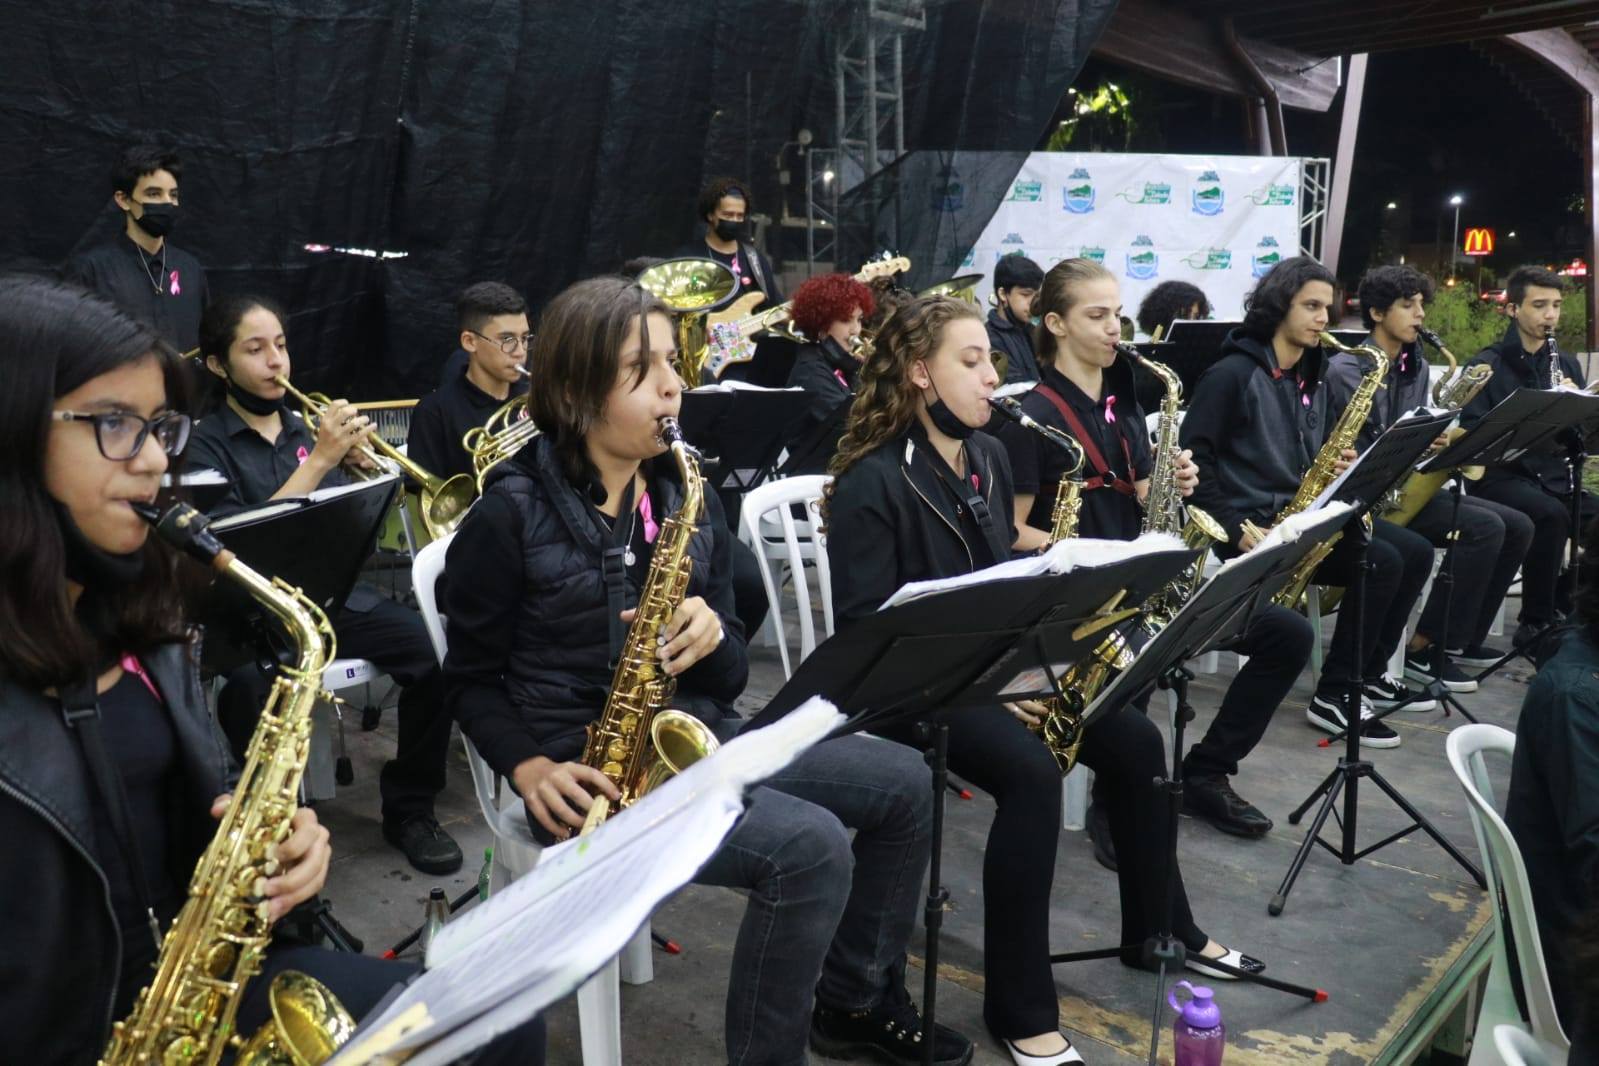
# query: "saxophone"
[1062,725]
[637,742]
[1164,508]
[186,1014]
[1455,389]
[1342,436]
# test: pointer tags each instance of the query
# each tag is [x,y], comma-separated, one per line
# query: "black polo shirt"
[1037,465]
[254,468]
[167,290]
[442,418]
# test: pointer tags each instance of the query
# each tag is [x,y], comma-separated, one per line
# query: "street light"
[1392,206]
[1454,249]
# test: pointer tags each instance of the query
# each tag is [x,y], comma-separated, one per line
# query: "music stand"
[1216,614]
[1189,347]
[1362,485]
[744,430]
[993,641]
[1525,422]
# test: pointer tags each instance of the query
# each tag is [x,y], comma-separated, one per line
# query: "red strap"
[1103,477]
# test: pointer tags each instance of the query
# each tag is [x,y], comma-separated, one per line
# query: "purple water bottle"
[1198,1032]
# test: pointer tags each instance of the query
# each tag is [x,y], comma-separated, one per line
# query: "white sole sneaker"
[1330,720]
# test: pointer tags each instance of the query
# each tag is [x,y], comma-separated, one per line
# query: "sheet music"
[1059,559]
[274,508]
[743,386]
[1420,414]
[199,476]
[536,941]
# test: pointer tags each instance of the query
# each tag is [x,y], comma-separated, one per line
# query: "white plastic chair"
[327,727]
[1517,1047]
[1514,920]
[768,526]
[599,1000]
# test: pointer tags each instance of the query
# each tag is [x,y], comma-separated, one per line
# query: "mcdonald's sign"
[1479,241]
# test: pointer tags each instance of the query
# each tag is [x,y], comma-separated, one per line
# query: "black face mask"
[256,405]
[90,566]
[158,219]
[944,419]
[728,230]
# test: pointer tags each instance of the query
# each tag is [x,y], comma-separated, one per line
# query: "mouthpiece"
[1007,406]
[186,529]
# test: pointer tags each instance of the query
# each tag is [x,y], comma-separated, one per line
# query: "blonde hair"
[1058,295]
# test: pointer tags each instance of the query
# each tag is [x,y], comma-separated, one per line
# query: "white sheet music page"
[510,957]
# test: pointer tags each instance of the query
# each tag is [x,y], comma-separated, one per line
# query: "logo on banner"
[1206,195]
[1267,255]
[970,259]
[1142,262]
[949,194]
[1151,192]
[1091,252]
[1274,194]
[1025,192]
[1013,238]
[1210,259]
[1078,194]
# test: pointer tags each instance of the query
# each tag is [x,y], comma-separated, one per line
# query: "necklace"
[156,280]
[627,552]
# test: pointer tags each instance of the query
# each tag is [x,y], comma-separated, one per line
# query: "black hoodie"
[1254,431]
[1017,343]
[1514,368]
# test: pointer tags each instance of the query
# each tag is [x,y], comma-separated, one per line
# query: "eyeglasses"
[121,434]
[507,344]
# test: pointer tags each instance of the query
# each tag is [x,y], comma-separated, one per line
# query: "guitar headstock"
[887,266]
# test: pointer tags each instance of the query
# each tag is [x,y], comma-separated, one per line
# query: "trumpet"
[443,501]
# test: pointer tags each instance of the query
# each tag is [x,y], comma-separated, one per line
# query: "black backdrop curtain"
[535,143]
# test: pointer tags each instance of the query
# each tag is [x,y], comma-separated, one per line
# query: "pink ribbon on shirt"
[133,666]
[1110,410]
[652,528]
[172,284]
[839,374]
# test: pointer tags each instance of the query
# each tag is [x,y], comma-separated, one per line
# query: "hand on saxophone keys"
[693,633]
[1187,473]
[1030,713]
[297,865]
[1345,457]
[559,795]
[1251,537]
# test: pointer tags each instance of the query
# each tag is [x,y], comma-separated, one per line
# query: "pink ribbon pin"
[1110,410]
[302,453]
[839,374]
[652,528]
[172,284]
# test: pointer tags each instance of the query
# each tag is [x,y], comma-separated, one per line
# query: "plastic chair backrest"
[802,541]
[1507,879]
[1518,1047]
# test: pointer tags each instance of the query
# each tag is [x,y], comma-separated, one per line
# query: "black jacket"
[1404,389]
[1552,807]
[1017,344]
[1514,369]
[528,665]
[62,951]
[1254,432]
[828,375]
[893,518]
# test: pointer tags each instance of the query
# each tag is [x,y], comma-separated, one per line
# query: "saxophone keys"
[613,770]
[628,725]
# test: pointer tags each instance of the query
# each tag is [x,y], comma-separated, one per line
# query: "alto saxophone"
[1455,389]
[637,742]
[1061,726]
[1164,509]
[1322,471]
[186,1013]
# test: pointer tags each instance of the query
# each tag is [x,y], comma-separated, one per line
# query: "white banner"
[1216,221]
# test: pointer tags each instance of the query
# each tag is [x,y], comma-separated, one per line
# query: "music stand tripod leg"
[937,755]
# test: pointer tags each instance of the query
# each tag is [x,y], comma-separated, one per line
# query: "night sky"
[1435,122]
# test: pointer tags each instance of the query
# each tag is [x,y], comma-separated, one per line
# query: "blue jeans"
[826,919]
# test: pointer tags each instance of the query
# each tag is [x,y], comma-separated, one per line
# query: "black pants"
[1493,542]
[360,982]
[393,639]
[1542,593]
[1277,643]
[1398,563]
[993,750]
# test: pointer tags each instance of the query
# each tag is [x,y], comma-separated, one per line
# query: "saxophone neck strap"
[613,569]
[80,709]
[1102,478]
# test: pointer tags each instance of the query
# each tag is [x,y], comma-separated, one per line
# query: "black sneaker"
[890,1032]
[1388,691]
[1478,655]
[425,843]
[1418,667]
[1327,715]
[1097,823]
[1211,797]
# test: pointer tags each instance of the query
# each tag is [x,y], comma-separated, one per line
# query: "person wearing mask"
[828,309]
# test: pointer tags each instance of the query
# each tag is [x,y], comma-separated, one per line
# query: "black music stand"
[1189,347]
[743,429]
[1216,614]
[1526,422]
[993,641]
[1362,485]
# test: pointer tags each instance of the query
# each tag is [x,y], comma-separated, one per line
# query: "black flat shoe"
[1211,797]
[1234,958]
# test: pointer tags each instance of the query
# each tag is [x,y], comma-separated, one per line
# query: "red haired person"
[828,310]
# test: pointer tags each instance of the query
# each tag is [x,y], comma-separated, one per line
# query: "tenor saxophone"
[637,741]
[1164,510]
[1323,470]
[186,1013]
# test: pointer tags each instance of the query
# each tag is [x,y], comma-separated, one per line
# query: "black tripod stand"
[1346,776]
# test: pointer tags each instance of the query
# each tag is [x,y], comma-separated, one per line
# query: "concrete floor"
[1377,935]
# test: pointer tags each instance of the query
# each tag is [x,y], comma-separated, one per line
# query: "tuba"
[186,1013]
[1343,435]
[691,289]
[444,501]
[637,741]
[1062,726]
[1454,390]
[1164,510]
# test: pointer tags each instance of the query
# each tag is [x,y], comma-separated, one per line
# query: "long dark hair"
[54,337]
[1267,305]
[576,357]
